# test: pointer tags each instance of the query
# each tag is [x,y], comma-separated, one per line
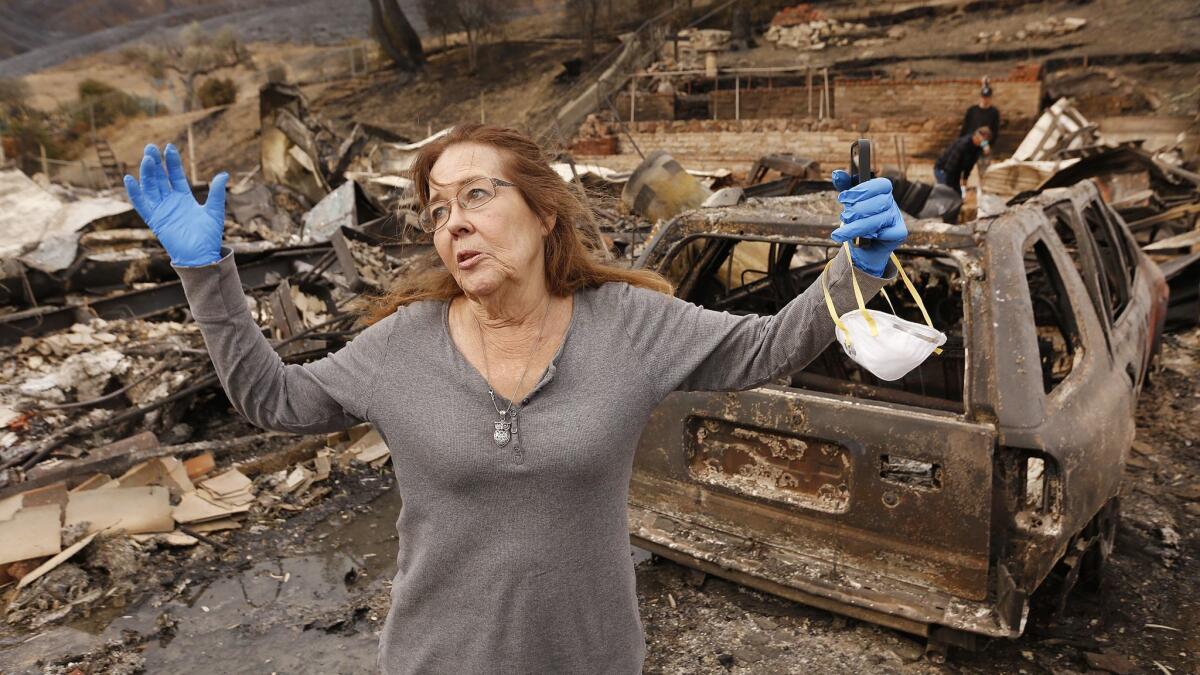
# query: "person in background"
[955,163]
[983,115]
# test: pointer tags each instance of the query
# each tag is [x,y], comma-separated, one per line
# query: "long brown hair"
[570,266]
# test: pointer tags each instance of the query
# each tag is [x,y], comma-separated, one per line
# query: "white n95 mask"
[886,345]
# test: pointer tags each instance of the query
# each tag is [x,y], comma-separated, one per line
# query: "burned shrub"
[217,91]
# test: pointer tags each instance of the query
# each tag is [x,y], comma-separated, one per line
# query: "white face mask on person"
[886,345]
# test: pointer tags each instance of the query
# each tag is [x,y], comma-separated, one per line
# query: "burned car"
[938,503]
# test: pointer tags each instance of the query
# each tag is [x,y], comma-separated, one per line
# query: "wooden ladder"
[113,171]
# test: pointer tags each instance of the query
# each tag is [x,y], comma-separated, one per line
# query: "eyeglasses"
[472,195]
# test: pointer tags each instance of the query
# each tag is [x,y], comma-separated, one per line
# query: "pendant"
[503,433]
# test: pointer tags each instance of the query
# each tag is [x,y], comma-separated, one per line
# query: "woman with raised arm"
[511,384]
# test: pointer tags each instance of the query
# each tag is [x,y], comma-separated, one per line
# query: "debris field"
[1025,501]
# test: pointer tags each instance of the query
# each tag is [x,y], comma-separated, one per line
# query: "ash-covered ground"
[308,591]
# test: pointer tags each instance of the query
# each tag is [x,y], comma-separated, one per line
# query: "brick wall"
[1019,99]
[762,103]
[649,106]
[735,145]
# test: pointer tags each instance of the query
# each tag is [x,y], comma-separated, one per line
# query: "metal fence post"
[737,97]
[633,99]
[716,101]
[808,71]
[828,99]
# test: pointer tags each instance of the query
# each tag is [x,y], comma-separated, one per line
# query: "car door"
[1077,421]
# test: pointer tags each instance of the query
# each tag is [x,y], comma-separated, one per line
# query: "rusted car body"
[936,504]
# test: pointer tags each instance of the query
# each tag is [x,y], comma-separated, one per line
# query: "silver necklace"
[503,430]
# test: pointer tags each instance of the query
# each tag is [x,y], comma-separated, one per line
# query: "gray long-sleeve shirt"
[514,559]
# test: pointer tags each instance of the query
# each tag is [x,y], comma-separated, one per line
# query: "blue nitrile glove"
[191,233]
[869,213]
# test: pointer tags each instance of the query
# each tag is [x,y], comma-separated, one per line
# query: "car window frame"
[968,402]
[1113,311]
[1042,236]
[1129,245]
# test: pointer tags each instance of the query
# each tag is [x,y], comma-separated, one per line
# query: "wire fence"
[145,104]
[332,65]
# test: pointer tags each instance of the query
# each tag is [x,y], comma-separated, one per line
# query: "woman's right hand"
[190,233]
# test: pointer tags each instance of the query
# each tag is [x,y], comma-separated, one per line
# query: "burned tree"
[392,30]
[194,54]
[473,18]
[586,11]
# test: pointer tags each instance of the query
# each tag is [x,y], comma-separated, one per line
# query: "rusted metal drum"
[660,188]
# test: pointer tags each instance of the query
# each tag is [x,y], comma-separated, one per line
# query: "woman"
[511,385]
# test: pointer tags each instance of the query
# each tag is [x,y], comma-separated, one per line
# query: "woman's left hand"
[870,214]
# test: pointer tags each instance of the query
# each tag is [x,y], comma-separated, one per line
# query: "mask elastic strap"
[892,307]
[829,302]
[913,290]
[862,305]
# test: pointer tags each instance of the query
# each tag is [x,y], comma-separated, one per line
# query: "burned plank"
[120,456]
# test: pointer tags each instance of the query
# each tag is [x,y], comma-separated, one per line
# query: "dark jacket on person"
[958,159]
[981,117]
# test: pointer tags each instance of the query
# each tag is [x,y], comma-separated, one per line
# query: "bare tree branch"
[194,54]
[473,18]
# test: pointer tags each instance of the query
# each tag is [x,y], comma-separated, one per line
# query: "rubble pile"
[97,341]
[805,28]
[1051,26]
[83,362]
[67,395]
[597,136]
[65,549]
[817,35]
[796,15]
[1152,191]
[71,379]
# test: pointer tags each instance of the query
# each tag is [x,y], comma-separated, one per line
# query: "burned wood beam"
[346,262]
[288,324]
[117,458]
[1181,211]
[105,459]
